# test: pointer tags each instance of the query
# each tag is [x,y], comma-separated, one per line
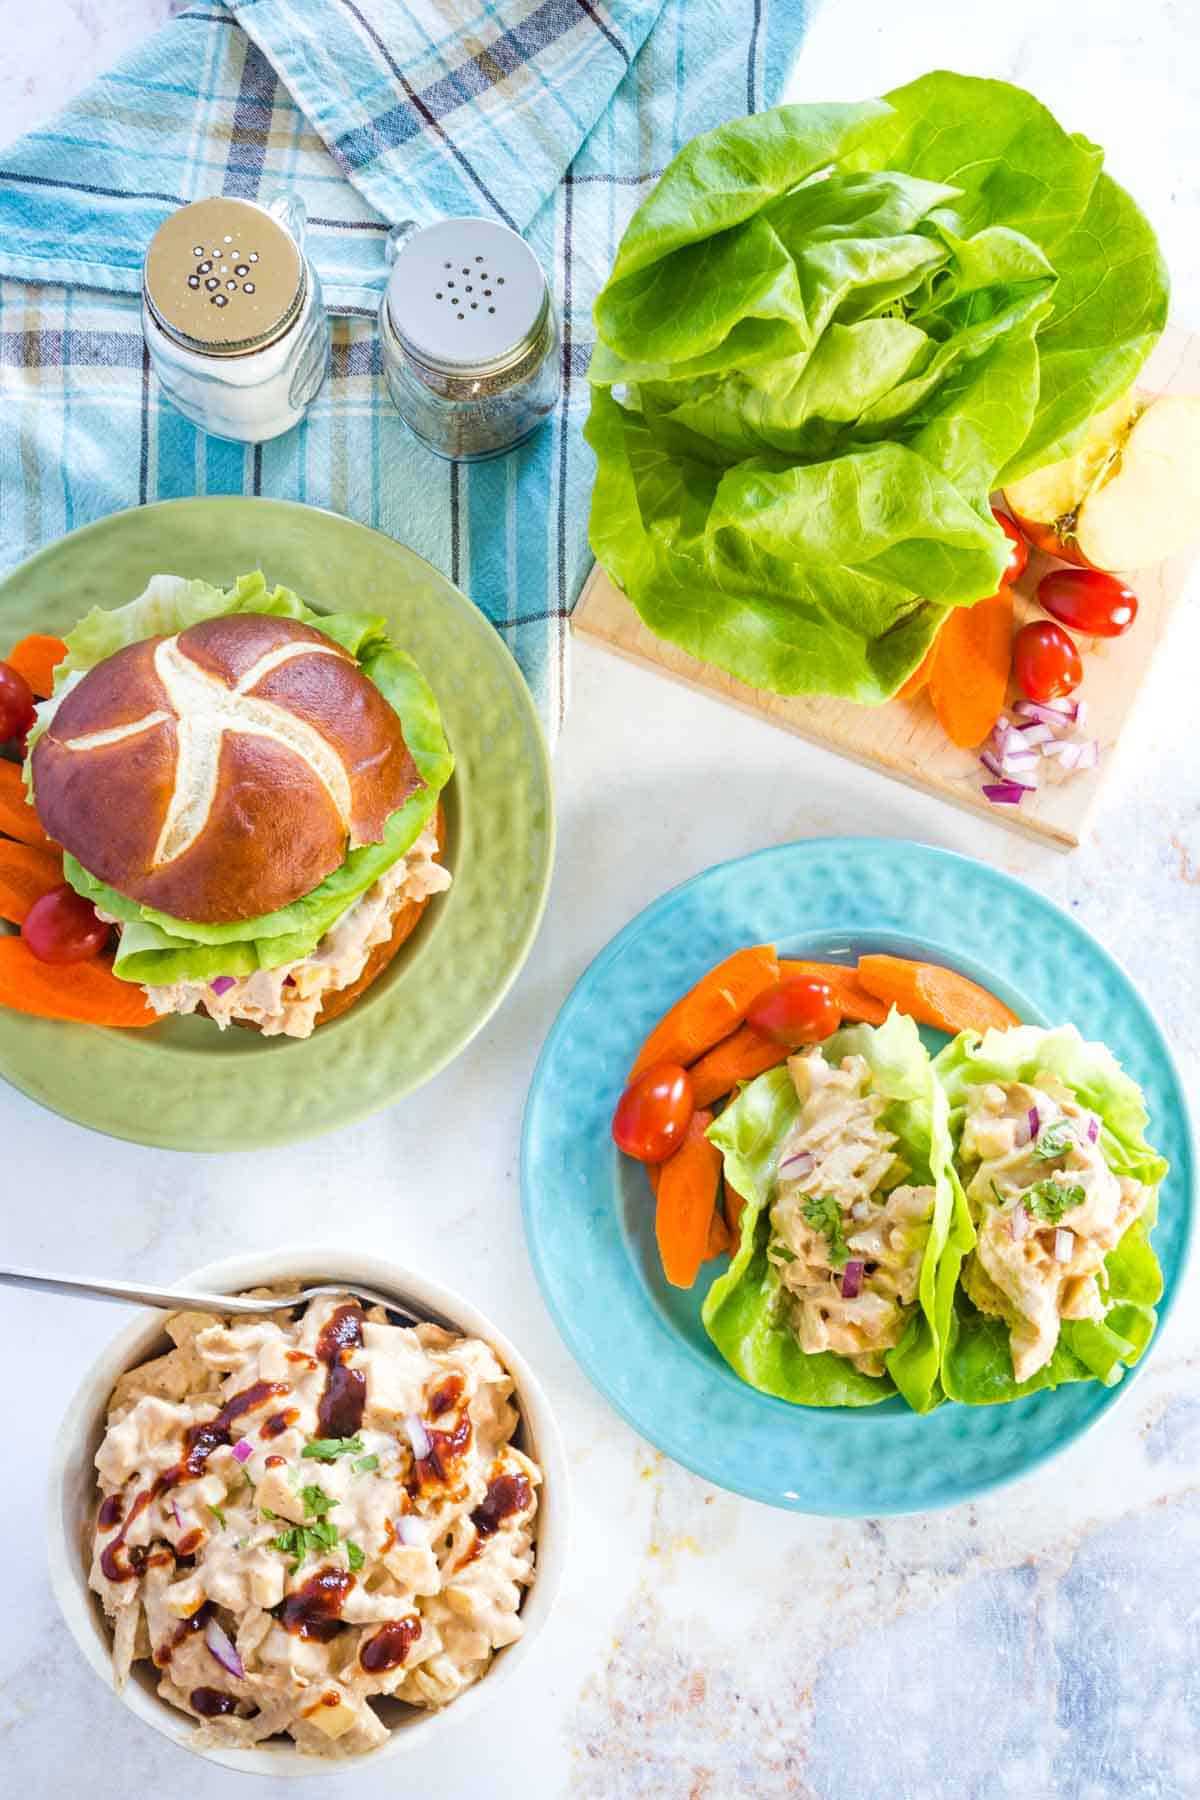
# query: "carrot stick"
[735,1205]
[933,995]
[87,992]
[687,1196]
[17,817]
[739,1057]
[36,657]
[26,873]
[720,1242]
[711,1010]
[970,670]
[919,678]
[852,998]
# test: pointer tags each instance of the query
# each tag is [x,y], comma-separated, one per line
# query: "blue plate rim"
[963,1492]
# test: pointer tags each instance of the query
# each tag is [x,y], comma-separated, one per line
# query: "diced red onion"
[243,1450]
[861,1210]
[410,1531]
[1004,793]
[1081,714]
[1016,760]
[992,763]
[1035,1121]
[1035,734]
[1093,1129]
[1068,707]
[1019,1222]
[220,1646]
[289,981]
[177,1513]
[852,1277]
[418,1437]
[801,1162]
[221,984]
[1048,713]
[1064,1245]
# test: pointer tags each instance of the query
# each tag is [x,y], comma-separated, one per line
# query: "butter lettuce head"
[977,1363]
[829,333]
[745,1311]
[154,947]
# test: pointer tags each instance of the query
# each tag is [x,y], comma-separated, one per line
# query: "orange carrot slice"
[934,995]
[711,1010]
[919,678]
[36,657]
[739,1057]
[735,1206]
[87,992]
[970,671]
[852,998]
[720,1239]
[687,1197]
[26,873]
[17,817]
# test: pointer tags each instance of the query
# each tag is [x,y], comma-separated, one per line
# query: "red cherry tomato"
[16,703]
[795,1013]
[62,927]
[1098,605]
[1018,554]
[1045,661]
[654,1112]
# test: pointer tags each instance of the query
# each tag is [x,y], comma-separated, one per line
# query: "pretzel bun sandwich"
[250,792]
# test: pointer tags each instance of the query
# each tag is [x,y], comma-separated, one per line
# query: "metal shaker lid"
[222,276]
[467,295]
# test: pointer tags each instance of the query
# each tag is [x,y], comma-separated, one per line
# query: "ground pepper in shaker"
[470,341]
[233,316]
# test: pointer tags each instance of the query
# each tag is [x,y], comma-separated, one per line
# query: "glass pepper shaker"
[470,341]
[233,316]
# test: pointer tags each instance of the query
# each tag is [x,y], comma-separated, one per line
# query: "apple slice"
[1130,495]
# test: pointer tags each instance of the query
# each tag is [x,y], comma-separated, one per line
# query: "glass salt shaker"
[470,341]
[233,316]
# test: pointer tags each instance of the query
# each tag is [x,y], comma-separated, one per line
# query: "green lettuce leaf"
[977,1363]
[157,949]
[744,1311]
[828,335]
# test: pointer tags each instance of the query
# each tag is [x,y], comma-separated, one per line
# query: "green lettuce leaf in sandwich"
[248,788]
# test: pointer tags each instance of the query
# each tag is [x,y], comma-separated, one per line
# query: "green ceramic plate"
[187,1086]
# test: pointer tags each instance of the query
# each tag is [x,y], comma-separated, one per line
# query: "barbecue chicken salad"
[249,791]
[300,1517]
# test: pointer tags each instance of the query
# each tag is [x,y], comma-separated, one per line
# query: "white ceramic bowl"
[73,1500]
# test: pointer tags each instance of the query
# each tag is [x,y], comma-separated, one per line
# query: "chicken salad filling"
[1047,1210]
[298,1516]
[848,1231]
[285,1001]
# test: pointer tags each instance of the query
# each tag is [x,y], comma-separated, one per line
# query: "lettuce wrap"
[745,1312]
[977,1364]
[156,949]
[829,333]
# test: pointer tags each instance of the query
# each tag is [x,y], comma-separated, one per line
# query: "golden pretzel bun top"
[224,772]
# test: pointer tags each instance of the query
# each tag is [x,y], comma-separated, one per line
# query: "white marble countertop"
[1042,1642]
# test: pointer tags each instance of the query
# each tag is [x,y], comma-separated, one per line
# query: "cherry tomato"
[654,1112]
[1045,661]
[62,927]
[1098,605]
[1018,554]
[16,703]
[795,1013]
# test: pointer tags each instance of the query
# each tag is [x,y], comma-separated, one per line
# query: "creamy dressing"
[1047,1210]
[395,1565]
[286,1000]
[843,1216]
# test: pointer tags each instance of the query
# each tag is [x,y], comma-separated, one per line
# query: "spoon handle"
[128,1294]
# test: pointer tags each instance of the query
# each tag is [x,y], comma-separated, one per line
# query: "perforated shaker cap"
[467,295]
[222,276]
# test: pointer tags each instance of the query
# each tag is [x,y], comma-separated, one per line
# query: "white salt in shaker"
[470,341]
[233,316]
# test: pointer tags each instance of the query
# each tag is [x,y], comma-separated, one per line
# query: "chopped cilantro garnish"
[354,1555]
[268,1514]
[316,1501]
[301,1541]
[1055,1140]
[218,1515]
[824,1214]
[1049,1199]
[329,1449]
[365,1464]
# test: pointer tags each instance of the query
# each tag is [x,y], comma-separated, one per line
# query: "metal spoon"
[179,1300]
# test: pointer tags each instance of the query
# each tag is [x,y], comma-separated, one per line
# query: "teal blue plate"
[588,1218]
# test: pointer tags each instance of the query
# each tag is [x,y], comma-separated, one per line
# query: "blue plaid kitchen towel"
[553,115]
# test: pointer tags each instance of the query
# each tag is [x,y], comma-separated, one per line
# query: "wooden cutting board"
[903,738]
